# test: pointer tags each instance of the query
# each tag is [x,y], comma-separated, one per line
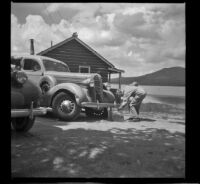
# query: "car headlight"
[107,85]
[91,84]
[21,77]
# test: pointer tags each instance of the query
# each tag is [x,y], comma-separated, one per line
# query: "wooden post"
[110,118]
[32,52]
[120,80]
[109,77]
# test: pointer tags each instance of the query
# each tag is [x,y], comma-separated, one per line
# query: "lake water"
[170,95]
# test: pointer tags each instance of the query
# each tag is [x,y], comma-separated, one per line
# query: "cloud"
[137,25]
[175,53]
[57,6]
[54,7]
[96,8]
[139,37]
[136,19]
[36,28]
[170,11]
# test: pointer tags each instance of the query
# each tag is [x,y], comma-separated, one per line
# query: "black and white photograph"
[98,90]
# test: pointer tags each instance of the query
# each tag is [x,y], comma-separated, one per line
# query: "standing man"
[133,98]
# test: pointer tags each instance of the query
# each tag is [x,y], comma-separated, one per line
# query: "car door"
[33,69]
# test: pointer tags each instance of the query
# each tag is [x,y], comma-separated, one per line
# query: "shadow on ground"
[47,151]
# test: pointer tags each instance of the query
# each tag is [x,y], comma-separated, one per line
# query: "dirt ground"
[154,147]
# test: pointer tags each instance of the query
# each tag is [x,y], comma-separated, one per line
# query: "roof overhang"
[115,70]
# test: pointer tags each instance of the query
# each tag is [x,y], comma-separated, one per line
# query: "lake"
[170,95]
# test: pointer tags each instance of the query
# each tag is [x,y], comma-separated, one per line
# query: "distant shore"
[115,83]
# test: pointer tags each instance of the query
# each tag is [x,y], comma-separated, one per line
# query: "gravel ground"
[154,147]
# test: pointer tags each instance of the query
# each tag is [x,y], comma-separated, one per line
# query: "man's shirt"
[137,92]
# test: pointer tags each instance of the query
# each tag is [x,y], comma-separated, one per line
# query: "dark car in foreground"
[24,101]
[67,93]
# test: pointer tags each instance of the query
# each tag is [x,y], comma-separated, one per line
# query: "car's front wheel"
[101,113]
[65,107]
[22,124]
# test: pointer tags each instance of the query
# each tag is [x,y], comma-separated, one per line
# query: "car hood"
[62,77]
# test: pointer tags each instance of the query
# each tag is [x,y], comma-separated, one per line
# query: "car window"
[30,64]
[54,66]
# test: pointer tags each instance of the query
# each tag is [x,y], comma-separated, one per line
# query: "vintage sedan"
[66,92]
[24,101]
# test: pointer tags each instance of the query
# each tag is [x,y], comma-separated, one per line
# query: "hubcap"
[67,106]
[45,87]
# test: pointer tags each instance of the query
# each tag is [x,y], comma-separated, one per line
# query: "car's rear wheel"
[101,113]
[65,107]
[22,124]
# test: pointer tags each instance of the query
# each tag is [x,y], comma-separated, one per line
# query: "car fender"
[22,96]
[108,96]
[72,88]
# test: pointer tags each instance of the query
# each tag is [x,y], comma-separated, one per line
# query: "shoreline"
[158,108]
[151,85]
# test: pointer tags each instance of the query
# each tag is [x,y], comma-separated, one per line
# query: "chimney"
[51,43]
[32,47]
[75,34]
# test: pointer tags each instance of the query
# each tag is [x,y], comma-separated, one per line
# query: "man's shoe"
[134,119]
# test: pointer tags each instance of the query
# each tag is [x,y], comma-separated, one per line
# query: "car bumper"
[98,105]
[29,112]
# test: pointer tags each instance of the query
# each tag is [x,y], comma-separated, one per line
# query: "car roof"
[36,56]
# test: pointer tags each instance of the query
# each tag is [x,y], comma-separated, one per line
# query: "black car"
[25,97]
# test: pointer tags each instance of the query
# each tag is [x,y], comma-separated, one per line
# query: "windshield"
[54,66]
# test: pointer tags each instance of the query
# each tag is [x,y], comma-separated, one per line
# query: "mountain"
[174,76]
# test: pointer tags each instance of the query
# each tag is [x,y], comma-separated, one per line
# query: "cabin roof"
[82,43]
[74,36]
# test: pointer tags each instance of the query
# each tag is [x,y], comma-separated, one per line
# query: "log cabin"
[80,57]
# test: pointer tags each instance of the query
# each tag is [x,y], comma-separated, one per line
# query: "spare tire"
[46,83]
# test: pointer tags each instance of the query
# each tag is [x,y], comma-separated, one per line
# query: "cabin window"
[84,69]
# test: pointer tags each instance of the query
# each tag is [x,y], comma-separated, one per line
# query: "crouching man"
[133,98]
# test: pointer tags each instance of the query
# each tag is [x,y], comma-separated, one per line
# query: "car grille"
[98,85]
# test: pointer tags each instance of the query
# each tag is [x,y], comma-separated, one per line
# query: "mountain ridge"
[173,76]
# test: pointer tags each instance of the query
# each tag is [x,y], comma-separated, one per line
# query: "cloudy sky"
[137,37]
